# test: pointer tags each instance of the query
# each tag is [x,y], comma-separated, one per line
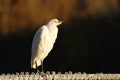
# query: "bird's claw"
[38,71]
[41,73]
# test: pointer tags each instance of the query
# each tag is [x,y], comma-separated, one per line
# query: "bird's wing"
[39,41]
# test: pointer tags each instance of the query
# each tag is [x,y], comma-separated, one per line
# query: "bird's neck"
[53,31]
[50,27]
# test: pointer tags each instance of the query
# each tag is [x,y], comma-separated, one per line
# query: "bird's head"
[54,22]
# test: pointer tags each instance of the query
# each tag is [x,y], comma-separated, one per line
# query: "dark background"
[89,43]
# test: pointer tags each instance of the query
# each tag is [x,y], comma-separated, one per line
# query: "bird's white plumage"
[43,42]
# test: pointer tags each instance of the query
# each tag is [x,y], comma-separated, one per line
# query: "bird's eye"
[55,20]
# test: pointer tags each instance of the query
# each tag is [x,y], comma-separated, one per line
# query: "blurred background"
[88,40]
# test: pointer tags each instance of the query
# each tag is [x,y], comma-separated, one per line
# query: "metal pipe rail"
[58,76]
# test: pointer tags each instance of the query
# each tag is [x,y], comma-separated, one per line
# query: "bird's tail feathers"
[35,64]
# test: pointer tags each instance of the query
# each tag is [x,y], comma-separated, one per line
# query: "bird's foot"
[38,71]
[42,74]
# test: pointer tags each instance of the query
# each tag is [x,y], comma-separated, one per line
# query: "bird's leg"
[37,67]
[42,66]
[42,73]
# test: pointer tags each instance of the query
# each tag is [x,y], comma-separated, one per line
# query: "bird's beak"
[60,22]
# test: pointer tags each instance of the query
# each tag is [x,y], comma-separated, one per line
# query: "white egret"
[43,42]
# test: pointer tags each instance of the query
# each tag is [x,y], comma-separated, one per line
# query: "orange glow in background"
[21,15]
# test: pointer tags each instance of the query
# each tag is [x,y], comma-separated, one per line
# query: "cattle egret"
[43,42]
